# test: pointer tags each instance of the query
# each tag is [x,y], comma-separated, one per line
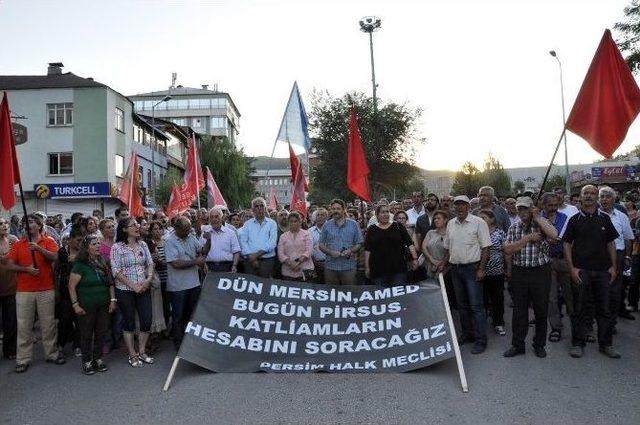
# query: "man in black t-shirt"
[590,251]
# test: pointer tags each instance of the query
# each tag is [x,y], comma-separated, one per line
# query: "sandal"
[590,338]
[146,358]
[555,335]
[134,361]
[22,367]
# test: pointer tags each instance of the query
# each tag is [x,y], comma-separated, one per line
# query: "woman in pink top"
[108,229]
[294,249]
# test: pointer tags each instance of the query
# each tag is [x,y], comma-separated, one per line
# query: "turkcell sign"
[73,190]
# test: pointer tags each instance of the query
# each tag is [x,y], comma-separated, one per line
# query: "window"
[59,114]
[119,119]
[218,122]
[119,165]
[149,178]
[196,122]
[60,163]
[179,121]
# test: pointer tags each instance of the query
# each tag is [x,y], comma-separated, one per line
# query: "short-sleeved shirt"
[338,238]
[590,234]
[495,265]
[93,288]
[387,249]
[132,262]
[623,226]
[176,248]
[556,249]
[533,254]
[224,244]
[465,239]
[20,254]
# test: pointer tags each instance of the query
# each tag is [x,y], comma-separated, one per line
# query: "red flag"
[130,188]
[357,167]
[608,101]
[295,166]
[180,200]
[9,168]
[214,196]
[273,201]
[298,199]
[193,176]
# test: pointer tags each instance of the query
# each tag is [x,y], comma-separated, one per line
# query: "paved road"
[522,390]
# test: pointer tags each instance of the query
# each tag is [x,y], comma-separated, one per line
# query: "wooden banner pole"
[454,337]
[171,372]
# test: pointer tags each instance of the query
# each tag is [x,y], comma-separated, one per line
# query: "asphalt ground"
[521,390]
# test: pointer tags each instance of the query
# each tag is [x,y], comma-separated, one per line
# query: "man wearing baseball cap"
[530,276]
[467,242]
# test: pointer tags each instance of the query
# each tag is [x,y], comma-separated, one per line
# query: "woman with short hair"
[493,283]
[386,245]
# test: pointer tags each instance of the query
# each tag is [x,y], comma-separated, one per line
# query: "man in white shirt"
[467,242]
[565,208]
[417,210]
[320,217]
[223,245]
[607,198]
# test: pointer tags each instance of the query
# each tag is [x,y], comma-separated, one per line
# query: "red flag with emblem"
[130,188]
[296,168]
[298,197]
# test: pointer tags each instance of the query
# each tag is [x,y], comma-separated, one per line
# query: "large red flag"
[357,167]
[193,176]
[214,196]
[608,101]
[130,188]
[298,198]
[9,169]
[295,166]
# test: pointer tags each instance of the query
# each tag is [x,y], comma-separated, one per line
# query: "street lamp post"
[564,122]
[152,183]
[369,24]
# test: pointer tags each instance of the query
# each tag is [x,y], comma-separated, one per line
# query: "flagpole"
[546,175]
[26,222]
[284,116]
[195,159]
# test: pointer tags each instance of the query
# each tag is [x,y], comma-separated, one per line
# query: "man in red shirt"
[35,292]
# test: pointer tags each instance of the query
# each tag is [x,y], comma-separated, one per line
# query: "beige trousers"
[27,304]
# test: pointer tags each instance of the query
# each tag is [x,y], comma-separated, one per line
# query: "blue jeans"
[183,303]
[468,290]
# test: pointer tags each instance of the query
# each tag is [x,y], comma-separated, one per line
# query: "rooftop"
[52,81]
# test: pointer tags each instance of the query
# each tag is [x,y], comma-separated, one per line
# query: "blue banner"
[73,190]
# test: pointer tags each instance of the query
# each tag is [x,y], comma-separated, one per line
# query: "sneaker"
[540,352]
[100,366]
[478,348]
[77,352]
[87,368]
[60,360]
[610,352]
[576,351]
[500,330]
[146,358]
[513,351]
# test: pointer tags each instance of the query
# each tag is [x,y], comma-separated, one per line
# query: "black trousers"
[530,286]
[591,296]
[219,266]
[493,286]
[67,323]
[634,284]
[93,329]
[616,290]
[9,325]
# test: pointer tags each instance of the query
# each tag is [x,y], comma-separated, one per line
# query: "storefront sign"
[73,190]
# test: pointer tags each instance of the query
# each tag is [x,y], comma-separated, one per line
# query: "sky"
[479,69]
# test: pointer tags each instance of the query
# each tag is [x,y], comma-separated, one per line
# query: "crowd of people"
[95,284]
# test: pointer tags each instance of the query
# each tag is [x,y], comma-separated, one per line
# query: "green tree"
[164,186]
[629,30]
[389,138]
[467,181]
[556,180]
[230,168]
[495,176]
[518,186]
